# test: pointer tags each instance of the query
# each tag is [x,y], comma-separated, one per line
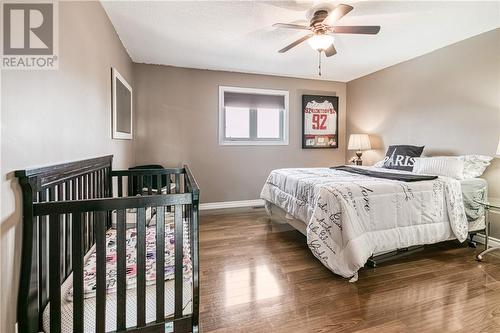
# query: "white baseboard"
[492,240]
[232,204]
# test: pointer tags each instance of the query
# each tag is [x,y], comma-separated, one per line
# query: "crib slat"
[94,185]
[120,186]
[158,184]
[85,232]
[141,267]
[178,275]
[54,273]
[85,182]
[140,185]
[103,183]
[92,190]
[100,183]
[80,188]
[160,264]
[77,240]
[73,188]
[105,188]
[60,197]
[97,183]
[130,185]
[100,228]
[194,234]
[177,183]
[109,183]
[168,184]
[150,184]
[168,189]
[84,185]
[93,217]
[42,248]
[67,236]
[121,270]
[90,231]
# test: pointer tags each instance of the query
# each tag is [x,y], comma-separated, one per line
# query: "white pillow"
[474,165]
[379,164]
[447,166]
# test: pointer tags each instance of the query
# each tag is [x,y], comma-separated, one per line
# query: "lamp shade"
[498,149]
[359,142]
[320,42]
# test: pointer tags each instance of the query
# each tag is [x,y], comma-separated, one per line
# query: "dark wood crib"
[67,210]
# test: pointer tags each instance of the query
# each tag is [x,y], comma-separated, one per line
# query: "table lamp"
[359,142]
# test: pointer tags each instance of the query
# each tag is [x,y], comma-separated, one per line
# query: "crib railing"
[169,181]
[57,235]
[80,180]
[100,208]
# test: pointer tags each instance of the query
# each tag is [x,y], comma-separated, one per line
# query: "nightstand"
[490,206]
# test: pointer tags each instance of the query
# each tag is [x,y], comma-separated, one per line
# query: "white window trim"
[286,117]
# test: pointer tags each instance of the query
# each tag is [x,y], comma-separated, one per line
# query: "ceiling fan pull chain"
[319,59]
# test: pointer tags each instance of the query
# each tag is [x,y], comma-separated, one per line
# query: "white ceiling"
[238,35]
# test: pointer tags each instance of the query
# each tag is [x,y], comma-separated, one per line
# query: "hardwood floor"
[261,277]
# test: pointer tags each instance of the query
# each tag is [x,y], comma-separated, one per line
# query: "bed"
[91,253]
[348,218]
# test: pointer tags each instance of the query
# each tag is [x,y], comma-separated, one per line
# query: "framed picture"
[122,107]
[320,122]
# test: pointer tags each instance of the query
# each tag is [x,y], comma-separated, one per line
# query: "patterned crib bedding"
[89,269]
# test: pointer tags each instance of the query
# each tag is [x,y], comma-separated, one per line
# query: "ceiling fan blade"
[352,29]
[297,42]
[330,51]
[291,26]
[336,14]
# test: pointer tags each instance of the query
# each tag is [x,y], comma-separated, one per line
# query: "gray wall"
[52,116]
[447,100]
[179,122]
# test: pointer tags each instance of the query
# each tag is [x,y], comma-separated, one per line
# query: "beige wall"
[52,116]
[179,122]
[447,100]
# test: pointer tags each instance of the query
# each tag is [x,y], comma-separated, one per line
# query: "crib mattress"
[89,305]
[131,292]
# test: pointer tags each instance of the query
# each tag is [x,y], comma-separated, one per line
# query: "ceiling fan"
[322,28]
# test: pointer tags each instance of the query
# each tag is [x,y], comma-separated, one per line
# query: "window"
[237,123]
[253,116]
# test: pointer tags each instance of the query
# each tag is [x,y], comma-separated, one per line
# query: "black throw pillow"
[401,157]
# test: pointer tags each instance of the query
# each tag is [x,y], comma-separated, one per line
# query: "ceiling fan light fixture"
[320,42]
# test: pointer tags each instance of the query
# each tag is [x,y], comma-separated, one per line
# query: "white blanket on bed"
[350,217]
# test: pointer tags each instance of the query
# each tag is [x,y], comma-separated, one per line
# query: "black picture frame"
[317,141]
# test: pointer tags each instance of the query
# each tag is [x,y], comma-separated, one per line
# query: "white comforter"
[350,217]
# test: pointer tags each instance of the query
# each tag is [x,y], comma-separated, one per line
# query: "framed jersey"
[320,121]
